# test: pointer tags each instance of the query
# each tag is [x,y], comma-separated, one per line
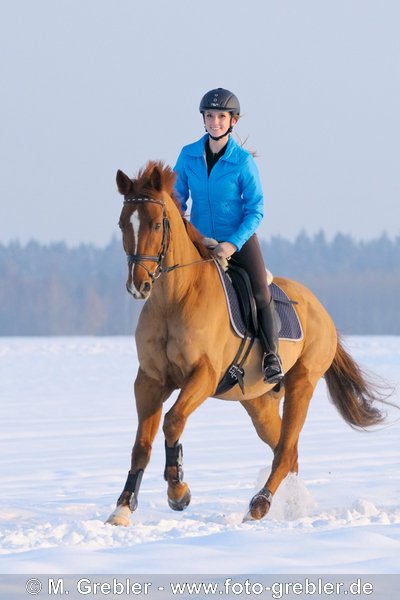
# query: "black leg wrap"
[131,489]
[174,458]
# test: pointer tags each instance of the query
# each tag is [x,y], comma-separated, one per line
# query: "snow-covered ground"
[67,427]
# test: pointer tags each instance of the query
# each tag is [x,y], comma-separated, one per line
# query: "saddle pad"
[290,325]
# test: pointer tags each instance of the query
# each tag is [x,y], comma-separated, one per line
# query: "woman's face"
[217,122]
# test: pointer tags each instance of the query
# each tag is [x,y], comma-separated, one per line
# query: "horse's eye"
[157,226]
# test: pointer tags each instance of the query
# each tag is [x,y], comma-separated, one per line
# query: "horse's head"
[145,225]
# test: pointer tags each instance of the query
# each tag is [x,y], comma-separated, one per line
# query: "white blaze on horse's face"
[141,289]
[135,291]
[135,222]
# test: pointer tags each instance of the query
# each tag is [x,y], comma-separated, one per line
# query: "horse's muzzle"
[143,293]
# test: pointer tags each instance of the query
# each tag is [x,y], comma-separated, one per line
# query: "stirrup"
[272,368]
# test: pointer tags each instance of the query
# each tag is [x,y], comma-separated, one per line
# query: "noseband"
[159,258]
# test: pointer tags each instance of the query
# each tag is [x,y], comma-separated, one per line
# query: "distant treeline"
[56,290]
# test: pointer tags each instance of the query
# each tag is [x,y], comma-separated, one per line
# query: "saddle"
[242,310]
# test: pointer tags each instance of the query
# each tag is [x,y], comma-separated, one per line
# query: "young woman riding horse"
[227,204]
[185,342]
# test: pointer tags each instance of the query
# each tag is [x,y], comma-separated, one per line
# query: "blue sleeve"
[253,203]
[181,184]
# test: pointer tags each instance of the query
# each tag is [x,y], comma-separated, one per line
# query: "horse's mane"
[157,177]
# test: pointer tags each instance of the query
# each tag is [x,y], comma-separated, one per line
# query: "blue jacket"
[228,204]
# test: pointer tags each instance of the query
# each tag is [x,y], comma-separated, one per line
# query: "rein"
[159,258]
[179,266]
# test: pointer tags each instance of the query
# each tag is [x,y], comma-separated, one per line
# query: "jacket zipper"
[208,195]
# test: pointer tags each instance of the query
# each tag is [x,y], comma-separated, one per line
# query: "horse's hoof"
[247,518]
[259,505]
[182,503]
[121,516]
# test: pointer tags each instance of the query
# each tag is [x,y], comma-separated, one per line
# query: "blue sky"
[92,86]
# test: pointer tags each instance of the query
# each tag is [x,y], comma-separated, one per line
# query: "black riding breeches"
[251,259]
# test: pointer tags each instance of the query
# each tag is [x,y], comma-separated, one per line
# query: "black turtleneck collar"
[212,158]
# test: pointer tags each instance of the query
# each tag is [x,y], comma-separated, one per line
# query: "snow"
[68,423]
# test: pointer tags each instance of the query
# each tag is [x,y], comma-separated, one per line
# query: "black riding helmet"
[220,99]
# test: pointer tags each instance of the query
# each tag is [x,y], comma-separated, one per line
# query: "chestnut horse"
[185,341]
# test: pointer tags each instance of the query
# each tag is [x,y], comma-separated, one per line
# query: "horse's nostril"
[146,287]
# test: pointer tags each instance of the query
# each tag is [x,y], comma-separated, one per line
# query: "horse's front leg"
[150,396]
[199,385]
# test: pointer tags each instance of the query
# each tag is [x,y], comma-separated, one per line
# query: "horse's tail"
[351,392]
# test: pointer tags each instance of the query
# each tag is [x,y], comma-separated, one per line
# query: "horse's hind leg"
[149,400]
[299,388]
[264,413]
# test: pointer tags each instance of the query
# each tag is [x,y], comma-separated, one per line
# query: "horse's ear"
[156,179]
[124,184]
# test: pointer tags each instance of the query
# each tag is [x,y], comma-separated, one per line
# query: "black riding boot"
[268,332]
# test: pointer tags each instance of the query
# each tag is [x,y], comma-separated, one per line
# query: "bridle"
[166,237]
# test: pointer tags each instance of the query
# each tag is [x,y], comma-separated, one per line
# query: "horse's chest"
[172,357]
[173,349]
[182,352]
